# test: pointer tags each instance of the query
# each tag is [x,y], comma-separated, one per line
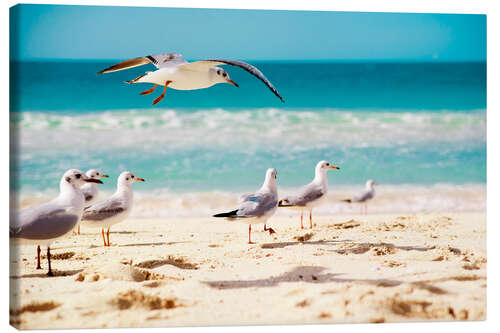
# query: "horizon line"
[325,60]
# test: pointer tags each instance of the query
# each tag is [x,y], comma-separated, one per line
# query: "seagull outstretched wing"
[159,60]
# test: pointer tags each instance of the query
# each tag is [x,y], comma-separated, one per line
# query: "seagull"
[91,190]
[48,222]
[115,209]
[175,72]
[310,195]
[257,207]
[367,194]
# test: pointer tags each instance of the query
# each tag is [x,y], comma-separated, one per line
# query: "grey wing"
[159,60]
[39,225]
[166,60]
[244,197]
[103,210]
[130,63]
[206,64]
[307,194]
[363,196]
[257,205]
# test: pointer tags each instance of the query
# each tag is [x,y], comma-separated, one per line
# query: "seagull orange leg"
[310,219]
[149,91]
[49,273]
[104,239]
[107,234]
[78,229]
[301,220]
[159,98]
[249,232]
[38,250]
[271,230]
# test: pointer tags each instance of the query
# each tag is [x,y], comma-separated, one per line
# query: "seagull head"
[325,166]
[370,183]
[221,76]
[127,178]
[77,178]
[270,181]
[92,173]
[271,174]
[320,172]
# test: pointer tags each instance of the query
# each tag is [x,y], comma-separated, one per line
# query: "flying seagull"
[91,190]
[310,195]
[367,194]
[50,221]
[175,72]
[115,209]
[257,207]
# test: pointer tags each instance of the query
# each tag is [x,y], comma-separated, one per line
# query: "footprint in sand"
[35,307]
[170,260]
[345,225]
[117,272]
[304,238]
[138,299]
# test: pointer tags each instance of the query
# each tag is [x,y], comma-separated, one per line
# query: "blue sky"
[90,32]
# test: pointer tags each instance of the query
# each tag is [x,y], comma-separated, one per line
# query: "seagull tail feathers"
[284,203]
[231,214]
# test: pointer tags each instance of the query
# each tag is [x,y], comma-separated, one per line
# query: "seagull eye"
[97,174]
[132,176]
[78,176]
[127,178]
[224,74]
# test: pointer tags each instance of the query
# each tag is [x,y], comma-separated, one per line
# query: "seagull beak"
[334,167]
[92,180]
[104,176]
[139,180]
[233,83]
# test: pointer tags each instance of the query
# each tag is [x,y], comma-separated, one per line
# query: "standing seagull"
[55,219]
[115,209]
[310,195]
[91,190]
[367,194]
[257,207]
[175,72]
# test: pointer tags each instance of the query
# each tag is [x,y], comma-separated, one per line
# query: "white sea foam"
[218,127]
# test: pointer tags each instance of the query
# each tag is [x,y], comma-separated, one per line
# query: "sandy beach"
[188,271]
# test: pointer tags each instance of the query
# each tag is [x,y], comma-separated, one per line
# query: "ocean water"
[410,126]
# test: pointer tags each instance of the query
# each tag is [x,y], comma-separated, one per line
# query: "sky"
[39,32]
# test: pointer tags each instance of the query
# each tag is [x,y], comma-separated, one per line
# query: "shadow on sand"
[43,274]
[357,248]
[314,274]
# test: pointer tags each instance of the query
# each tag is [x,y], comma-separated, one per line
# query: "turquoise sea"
[406,125]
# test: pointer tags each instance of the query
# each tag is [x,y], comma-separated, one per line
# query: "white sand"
[201,271]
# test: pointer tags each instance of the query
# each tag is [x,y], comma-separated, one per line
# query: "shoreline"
[389,199]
